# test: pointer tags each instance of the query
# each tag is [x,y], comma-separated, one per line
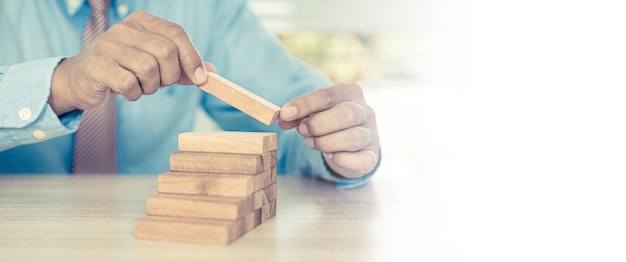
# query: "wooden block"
[242,99]
[269,159]
[263,180]
[265,196]
[221,163]
[189,230]
[274,175]
[253,219]
[232,185]
[268,211]
[228,142]
[205,207]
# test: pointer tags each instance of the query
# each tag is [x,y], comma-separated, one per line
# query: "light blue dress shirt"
[35,35]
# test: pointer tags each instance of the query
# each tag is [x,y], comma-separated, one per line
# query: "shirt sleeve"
[25,116]
[247,54]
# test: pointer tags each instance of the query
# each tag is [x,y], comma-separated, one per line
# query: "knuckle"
[166,49]
[370,114]
[174,31]
[351,113]
[328,96]
[355,89]
[126,83]
[148,66]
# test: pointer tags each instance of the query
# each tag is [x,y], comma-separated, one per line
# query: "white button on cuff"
[39,134]
[122,10]
[25,113]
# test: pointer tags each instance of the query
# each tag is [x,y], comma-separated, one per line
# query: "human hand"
[336,121]
[135,57]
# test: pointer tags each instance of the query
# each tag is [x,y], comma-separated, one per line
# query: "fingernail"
[374,156]
[200,75]
[310,142]
[328,156]
[303,129]
[288,113]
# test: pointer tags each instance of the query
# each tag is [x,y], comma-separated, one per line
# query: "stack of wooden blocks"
[220,186]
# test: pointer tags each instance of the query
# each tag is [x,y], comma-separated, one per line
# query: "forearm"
[25,116]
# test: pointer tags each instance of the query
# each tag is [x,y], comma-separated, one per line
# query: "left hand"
[336,121]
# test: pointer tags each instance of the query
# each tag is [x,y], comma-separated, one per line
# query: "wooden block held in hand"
[204,207]
[228,142]
[220,163]
[190,230]
[240,98]
[232,185]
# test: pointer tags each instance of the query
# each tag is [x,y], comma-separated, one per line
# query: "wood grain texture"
[241,98]
[268,211]
[274,175]
[265,196]
[253,219]
[221,163]
[205,231]
[209,207]
[232,185]
[228,142]
[205,207]
[92,218]
[264,179]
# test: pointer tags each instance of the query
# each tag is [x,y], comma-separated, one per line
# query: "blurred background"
[408,55]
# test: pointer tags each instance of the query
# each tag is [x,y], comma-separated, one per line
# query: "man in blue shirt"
[46,81]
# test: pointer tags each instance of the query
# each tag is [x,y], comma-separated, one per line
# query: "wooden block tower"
[220,186]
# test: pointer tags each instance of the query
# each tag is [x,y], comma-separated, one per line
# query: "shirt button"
[74,3]
[122,10]
[39,134]
[25,113]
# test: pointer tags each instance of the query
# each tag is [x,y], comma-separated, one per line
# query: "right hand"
[135,57]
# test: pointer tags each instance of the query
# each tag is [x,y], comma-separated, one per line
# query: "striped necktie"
[95,143]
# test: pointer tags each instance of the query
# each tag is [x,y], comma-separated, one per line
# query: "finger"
[184,79]
[188,56]
[162,49]
[353,164]
[320,100]
[120,80]
[343,116]
[349,140]
[286,125]
[144,66]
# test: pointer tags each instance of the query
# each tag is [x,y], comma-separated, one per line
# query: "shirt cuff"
[25,115]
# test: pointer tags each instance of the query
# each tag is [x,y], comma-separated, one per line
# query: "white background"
[518,121]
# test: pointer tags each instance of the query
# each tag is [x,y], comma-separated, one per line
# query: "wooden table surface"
[92,219]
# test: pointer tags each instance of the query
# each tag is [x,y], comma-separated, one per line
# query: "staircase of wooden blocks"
[220,186]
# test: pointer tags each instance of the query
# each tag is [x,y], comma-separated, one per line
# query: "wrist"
[58,99]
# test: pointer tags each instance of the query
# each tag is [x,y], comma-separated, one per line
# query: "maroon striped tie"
[95,143]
